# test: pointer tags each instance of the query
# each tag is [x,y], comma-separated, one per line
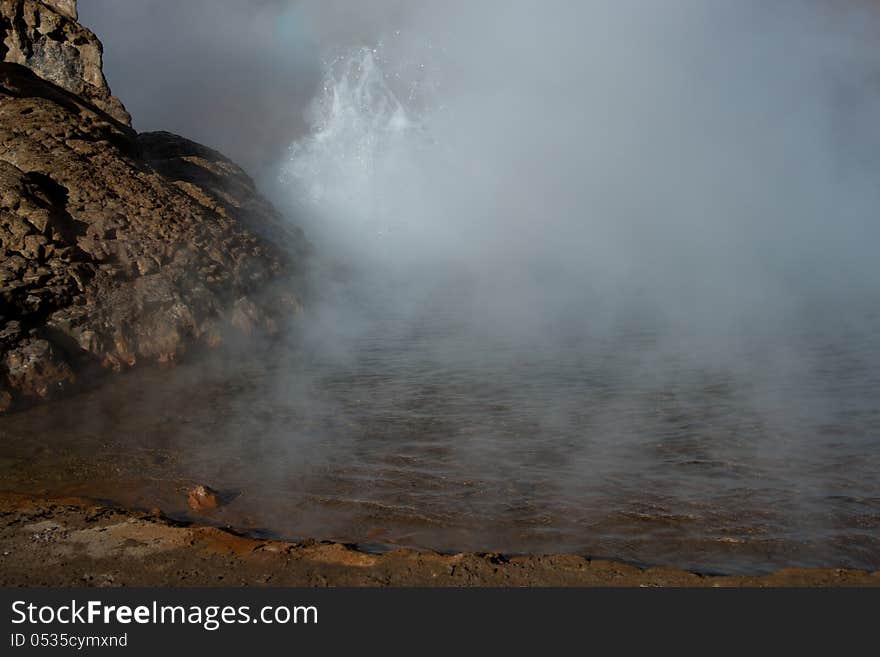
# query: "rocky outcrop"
[118,248]
[45,37]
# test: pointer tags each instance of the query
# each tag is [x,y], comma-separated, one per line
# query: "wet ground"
[71,542]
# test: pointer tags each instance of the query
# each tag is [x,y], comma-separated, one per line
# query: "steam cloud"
[546,170]
[674,204]
[707,164]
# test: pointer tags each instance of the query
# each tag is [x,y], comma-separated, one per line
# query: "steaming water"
[520,388]
[587,452]
[527,333]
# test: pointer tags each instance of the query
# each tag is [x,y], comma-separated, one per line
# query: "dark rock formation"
[115,248]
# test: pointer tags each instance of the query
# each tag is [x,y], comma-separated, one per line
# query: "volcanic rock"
[202,498]
[116,248]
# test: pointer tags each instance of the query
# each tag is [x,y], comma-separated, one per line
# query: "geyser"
[699,164]
[592,277]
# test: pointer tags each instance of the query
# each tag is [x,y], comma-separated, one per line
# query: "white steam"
[363,138]
[706,165]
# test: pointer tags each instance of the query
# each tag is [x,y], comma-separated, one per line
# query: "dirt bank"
[74,542]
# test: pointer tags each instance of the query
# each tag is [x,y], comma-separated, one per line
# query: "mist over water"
[592,277]
[609,242]
[710,166]
[699,171]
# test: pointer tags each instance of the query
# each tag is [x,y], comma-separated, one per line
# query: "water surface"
[414,434]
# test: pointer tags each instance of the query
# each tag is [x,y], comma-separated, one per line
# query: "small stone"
[146,265]
[203,498]
[11,331]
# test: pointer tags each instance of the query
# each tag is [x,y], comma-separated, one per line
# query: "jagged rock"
[45,37]
[118,248]
[36,371]
[64,7]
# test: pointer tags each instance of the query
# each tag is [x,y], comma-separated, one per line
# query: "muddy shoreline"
[76,542]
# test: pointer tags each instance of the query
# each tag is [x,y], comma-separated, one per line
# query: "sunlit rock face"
[115,248]
[65,7]
[45,37]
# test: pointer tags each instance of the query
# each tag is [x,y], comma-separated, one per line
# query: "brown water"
[403,438]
